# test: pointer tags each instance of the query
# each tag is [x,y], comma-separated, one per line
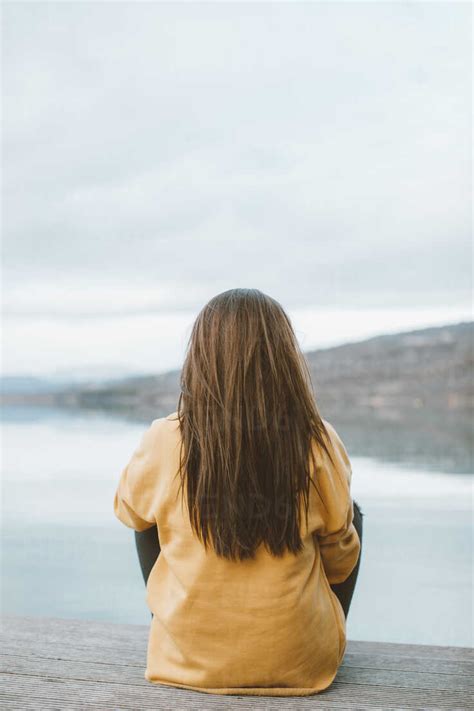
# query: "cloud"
[157,153]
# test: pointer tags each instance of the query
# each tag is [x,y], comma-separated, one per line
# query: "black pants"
[148,549]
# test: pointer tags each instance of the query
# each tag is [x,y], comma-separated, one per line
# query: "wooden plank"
[93,633]
[106,671]
[51,693]
[418,651]
[401,663]
[71,650]
[51,663]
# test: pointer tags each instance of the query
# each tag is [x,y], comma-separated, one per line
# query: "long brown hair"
[248,423]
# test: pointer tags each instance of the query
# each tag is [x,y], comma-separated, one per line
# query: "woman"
[246,491]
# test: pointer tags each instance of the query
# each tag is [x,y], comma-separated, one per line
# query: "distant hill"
[391,373]
[406,396]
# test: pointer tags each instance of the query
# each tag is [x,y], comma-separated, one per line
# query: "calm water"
[66,555]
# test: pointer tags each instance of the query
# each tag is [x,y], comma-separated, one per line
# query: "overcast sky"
[155,154]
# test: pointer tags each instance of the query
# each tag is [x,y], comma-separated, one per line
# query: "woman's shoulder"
[335,439]
[341,464]
[158,445]
[164,429]
[161,423]
[331,429]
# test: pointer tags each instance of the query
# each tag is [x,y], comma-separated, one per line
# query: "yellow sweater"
[268,626]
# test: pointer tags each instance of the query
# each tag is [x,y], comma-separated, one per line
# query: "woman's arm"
[135,497]
[336,535]
[340,550]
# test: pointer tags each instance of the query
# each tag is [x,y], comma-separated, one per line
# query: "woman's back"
[266,625]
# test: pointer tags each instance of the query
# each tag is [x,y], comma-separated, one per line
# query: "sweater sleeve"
[134,501]
[336,535]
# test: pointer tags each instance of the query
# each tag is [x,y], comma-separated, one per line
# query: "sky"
[156,154]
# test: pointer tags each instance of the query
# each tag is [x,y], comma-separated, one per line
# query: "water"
[66,555]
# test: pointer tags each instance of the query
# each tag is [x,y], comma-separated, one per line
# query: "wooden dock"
[51,663]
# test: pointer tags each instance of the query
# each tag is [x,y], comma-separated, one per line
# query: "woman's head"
[249,422]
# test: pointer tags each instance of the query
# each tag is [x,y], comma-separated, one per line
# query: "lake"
[66,555]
